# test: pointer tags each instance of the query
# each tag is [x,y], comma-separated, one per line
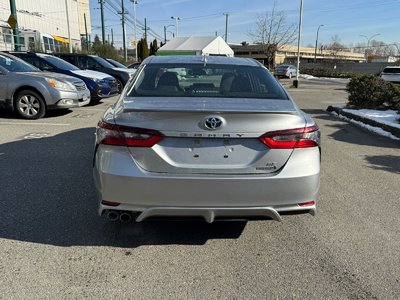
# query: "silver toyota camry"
[211,137]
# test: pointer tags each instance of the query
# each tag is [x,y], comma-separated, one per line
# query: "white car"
[391,74]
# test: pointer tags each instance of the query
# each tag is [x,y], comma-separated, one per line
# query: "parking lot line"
[41,124]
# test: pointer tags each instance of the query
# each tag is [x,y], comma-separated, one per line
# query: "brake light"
[293,138]
[118,135]
[110,203]
[303,204]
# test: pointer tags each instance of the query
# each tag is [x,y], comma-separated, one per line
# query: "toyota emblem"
[212,123]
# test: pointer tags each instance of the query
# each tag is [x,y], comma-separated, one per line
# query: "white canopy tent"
[196,45]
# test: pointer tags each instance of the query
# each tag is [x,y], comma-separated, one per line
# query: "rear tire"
[29,105]
[94,101]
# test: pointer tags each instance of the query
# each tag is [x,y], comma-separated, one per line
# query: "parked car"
[285,71]
[391,74]
[31,92]
[101,85]
[115,63]
[233,145]
[96,63]
[134,66]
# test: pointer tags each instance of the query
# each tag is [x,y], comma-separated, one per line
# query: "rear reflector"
[110,203]
[293,138]
[303,204]
[118,135]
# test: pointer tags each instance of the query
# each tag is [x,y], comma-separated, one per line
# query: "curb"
[393,130]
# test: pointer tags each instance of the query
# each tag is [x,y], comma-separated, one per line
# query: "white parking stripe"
[41,124]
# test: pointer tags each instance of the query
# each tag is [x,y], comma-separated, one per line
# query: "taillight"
[293,138]
[303,204]
[118,135]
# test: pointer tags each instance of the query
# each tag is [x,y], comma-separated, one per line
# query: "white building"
[44,22]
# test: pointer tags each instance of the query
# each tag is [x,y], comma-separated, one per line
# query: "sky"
[347,19]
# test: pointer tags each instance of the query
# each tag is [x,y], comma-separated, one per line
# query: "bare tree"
[272,32]
[335,46]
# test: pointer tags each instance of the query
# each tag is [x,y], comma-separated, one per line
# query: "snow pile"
[370,128]
[306,76]
[387,117]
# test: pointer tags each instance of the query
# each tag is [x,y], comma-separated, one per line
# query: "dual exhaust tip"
[124,217]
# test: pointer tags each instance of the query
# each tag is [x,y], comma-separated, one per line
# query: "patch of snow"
[306,76]
[388,117]
[370,128]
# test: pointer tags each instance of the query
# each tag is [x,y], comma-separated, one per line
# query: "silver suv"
[391,74]
[31,92]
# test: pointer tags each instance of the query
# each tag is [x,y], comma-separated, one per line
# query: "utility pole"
[69,29]
[226,27]
[108,38]
[165,34]
[112,37]
[86,34]
[15,27]
[103,34]
[122,13]
[145,29]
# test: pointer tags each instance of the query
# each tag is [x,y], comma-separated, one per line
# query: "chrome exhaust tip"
[113,215]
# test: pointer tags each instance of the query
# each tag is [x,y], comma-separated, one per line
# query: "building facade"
[43,23]
[288,54]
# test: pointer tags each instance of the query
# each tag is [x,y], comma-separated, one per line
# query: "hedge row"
[369,91]
[325,72]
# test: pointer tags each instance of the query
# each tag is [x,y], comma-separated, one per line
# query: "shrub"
[327,72]
[369,91]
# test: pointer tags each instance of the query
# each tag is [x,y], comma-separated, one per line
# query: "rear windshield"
[215,81]
[392,70]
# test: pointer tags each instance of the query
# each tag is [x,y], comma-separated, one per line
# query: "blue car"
[101,85]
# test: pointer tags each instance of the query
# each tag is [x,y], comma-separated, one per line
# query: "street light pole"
[68,27]
[316,43]
[176,25]
[296,83]
[134,25]
[165,32]
[368,40]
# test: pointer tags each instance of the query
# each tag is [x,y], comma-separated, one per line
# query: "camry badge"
[212,123]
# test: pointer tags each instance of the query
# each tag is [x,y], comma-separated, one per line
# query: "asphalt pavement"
[54,245]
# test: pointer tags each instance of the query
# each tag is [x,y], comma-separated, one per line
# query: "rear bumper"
[119,179]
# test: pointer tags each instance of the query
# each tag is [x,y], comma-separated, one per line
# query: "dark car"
[96,63]
[115,63]
[101,85]
[134,66]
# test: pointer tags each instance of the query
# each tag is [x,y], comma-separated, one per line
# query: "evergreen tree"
[153,47]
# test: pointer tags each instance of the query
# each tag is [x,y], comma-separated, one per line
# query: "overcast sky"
[347,19]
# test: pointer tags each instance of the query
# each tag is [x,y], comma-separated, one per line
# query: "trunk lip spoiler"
[210,105]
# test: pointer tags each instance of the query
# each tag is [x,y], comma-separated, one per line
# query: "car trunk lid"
[190,147]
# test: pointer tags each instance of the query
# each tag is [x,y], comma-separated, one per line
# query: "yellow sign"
[133,43]
[12,21]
